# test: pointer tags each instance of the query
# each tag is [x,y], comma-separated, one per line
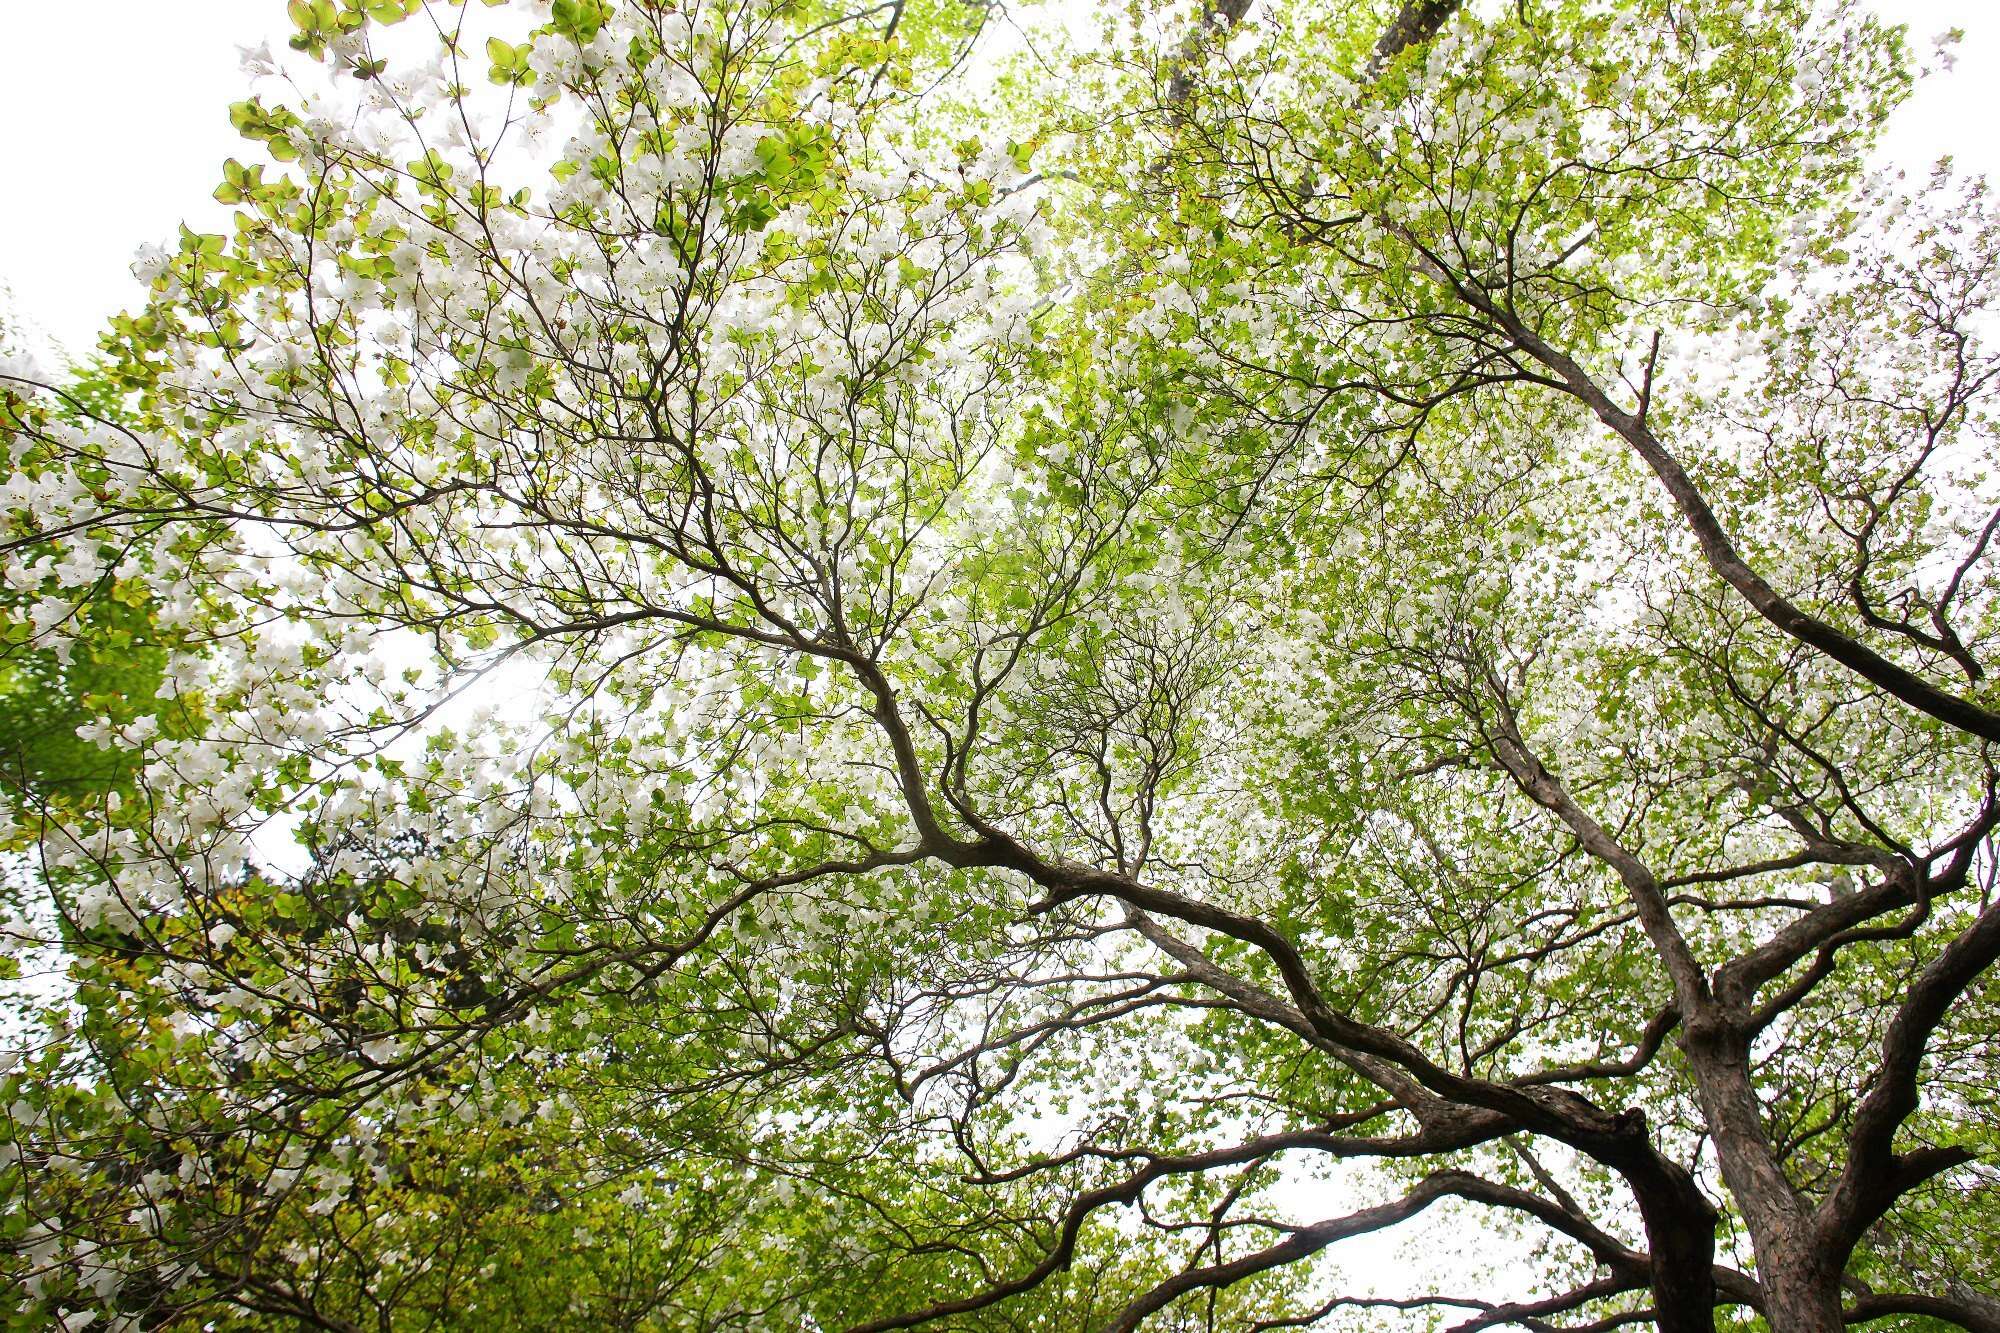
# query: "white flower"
[381,1050]
[1944,45]
[149,262]
[257,61]
[23,373]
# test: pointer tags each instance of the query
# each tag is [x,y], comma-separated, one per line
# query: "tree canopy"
[738,664]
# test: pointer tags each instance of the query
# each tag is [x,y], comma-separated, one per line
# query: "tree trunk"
[1680,1240]
[1801,1291]
[1799,1274]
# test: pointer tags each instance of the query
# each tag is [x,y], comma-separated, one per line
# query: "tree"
[1396,596]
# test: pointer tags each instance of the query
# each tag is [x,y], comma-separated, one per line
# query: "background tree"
[1397,596]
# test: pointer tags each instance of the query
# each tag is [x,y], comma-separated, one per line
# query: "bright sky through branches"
[117,129]
[1039,606]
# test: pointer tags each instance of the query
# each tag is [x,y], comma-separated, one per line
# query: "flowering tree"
[772,696]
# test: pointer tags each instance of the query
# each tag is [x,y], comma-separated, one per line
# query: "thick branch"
[1875,1174]
[1968,1309]
[1301,1243]
[1720,551]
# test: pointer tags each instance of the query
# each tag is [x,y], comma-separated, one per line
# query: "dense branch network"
[1031,754]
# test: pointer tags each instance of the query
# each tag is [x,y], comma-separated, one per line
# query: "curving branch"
[1717,547]
[1875,1175]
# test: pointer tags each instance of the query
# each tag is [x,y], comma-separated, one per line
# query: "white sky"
[115,129]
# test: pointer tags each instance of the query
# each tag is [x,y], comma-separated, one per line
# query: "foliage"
[695,682]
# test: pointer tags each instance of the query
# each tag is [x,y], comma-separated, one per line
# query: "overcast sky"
[115,129]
